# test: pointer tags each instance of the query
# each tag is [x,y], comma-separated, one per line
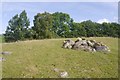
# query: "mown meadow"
[39,58]
[1,40]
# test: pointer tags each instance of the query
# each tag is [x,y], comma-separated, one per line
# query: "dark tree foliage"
[17,28]
[90,28]
[77,30]
[56,25]
[61,24]
[43,26]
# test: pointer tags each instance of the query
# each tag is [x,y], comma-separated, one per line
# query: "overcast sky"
[79,11]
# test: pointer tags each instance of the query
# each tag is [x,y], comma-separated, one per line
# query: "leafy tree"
[11,33]
[77,30]
[43,25]
[61,24]
[89,27]
[24,23]
[17,27]
[115,29]
[107,29]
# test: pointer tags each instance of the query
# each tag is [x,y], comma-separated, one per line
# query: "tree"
[62,24]
[43,25]
[77,30]
[115,29]
[107,29]
[90,28]
[24,23]
[17,27]
[11,33]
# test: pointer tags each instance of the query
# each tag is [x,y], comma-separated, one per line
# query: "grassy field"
[1,39]
[39,58]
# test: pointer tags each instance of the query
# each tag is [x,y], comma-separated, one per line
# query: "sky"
[79,11]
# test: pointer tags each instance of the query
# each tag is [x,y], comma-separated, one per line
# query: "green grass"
[38,58]
[1,39]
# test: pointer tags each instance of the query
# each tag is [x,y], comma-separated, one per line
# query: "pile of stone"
[85,45]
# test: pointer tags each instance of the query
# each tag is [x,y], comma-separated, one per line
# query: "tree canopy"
[56,25]
[17,28]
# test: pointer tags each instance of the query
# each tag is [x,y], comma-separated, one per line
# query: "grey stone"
[56,70]
[68,44]
[101,48]
[64,74]
[5,53]
[2,59]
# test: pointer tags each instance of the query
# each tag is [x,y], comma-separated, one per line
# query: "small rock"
[64,74]
[56,69]
[5,52]
[2,59]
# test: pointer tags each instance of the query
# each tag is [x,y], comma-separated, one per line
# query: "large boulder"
[90,43]
[81,45]
[102,48]
[77,45]
[68,44]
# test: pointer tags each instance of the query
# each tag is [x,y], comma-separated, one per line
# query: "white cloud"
[115,18]
[103,20]
[82,20]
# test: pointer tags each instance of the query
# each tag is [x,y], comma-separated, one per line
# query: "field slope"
[39,58]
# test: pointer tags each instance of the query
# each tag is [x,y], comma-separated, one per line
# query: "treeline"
[56,25]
